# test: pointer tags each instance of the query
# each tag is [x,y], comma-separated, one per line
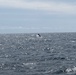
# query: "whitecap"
[68,70]
[71,70]
[74,69]
[6,55]
[73,41]
[28,64]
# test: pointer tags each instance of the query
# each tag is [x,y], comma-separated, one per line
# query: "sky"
[37,16]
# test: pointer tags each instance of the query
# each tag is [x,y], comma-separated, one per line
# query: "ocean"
[31,54]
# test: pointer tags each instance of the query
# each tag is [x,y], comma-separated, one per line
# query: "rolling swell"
[26,54]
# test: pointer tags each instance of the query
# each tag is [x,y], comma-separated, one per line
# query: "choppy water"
[28,54]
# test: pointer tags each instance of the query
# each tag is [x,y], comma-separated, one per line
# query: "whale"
[38,35]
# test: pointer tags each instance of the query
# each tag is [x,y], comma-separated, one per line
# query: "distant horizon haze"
[37,16]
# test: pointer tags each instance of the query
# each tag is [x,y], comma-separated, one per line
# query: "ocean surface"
[31,54]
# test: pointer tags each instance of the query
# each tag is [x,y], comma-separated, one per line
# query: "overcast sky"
[32,16]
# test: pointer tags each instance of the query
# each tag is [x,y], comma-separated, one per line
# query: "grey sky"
[22,16]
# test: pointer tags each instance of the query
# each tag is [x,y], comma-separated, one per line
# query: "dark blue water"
[29,54]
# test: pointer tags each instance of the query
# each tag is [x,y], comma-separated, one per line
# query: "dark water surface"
[29,54]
